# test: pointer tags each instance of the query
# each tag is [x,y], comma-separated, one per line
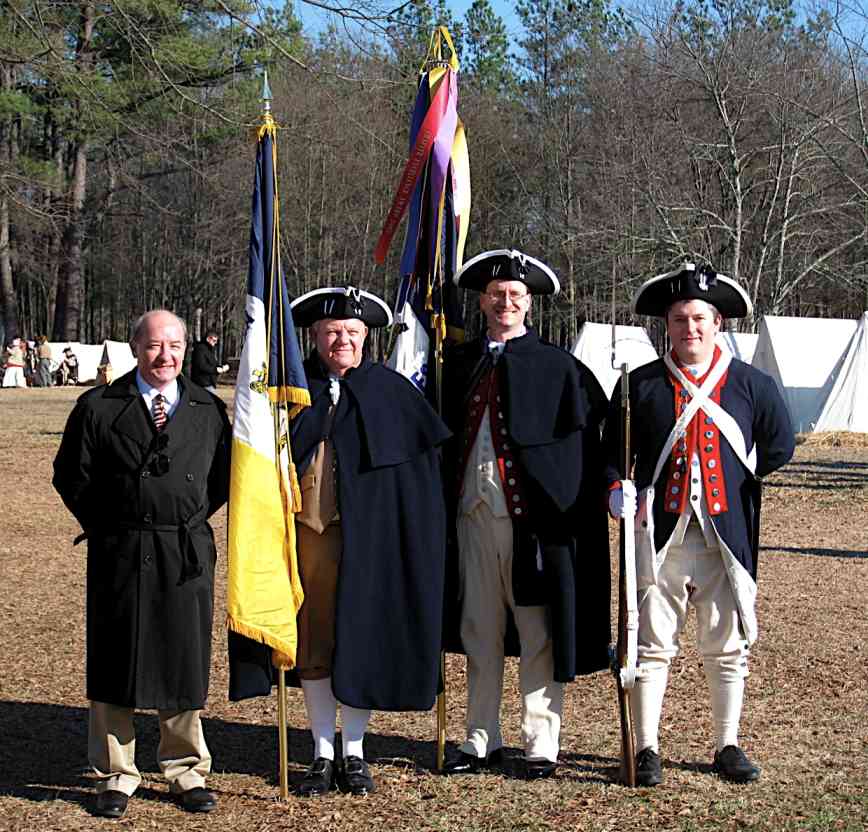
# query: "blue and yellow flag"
[264,590]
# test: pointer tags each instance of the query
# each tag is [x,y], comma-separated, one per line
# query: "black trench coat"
[150,559]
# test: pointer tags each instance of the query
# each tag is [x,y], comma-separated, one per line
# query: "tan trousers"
[182,755]
[319,560]
[485,546]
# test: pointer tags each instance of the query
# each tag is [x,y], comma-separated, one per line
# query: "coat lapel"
[134,421]
[184,425]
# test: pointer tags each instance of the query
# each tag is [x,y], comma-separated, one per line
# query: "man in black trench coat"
[143,463]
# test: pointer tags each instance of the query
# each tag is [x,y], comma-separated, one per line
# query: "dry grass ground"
[805,721]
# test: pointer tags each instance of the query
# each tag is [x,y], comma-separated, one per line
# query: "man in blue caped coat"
[371,542]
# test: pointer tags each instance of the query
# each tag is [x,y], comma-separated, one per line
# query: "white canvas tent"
[120,356]
[846,407]
[89,357]
[742,345]
[593,348]
[803,356]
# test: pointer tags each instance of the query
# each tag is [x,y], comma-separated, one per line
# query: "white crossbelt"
[701,399]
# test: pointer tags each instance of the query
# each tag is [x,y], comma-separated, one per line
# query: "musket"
[624,664]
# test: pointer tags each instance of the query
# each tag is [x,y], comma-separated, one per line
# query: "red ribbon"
[413,169]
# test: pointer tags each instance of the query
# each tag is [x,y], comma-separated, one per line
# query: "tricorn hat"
[503,264]
[340,303]
[691,282]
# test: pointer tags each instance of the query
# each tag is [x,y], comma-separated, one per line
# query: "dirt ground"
[805,719]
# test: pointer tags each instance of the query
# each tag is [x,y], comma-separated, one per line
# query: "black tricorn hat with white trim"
[340,303]
[506,264]
[691,282]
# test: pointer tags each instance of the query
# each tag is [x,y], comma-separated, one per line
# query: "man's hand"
[223,368]
[622,500]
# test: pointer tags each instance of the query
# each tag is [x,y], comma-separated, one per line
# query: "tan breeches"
[485,545]
[319,559]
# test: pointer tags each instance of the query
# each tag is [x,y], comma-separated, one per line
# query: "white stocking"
[646,701]
[727,694]
[354,723]
[322,708]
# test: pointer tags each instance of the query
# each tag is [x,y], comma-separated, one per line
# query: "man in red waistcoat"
[706,427]
[523,469]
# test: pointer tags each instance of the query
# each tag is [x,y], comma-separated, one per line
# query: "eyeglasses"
[504,297]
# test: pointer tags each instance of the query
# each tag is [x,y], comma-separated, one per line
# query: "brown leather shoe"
[110,804]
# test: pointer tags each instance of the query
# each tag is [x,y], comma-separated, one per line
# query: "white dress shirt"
[172,394]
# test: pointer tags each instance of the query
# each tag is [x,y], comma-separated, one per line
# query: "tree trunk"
[7,290]
[67,311]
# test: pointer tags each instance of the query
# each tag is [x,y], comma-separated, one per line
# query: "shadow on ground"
[812,550]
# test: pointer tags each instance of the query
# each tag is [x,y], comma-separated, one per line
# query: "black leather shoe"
[648,770]
[354,777]
[732,764]
[539,769]
[466,763]
[318,780]
[110,804]
[197,799]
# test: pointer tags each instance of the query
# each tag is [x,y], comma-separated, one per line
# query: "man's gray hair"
[139,323]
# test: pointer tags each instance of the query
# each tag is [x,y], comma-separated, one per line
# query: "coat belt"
[191,564]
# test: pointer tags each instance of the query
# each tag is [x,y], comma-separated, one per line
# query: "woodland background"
[611,142]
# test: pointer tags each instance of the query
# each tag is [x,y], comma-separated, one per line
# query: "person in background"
[203,366]
[14,374]
[70,366]
[43,359]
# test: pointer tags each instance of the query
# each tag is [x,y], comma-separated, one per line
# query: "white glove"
[622,500]
[223,368]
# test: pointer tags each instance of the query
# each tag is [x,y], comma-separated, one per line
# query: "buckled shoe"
[466,763]
[648,769]
[539,769]
[354,777]
[732,764]
[318,780]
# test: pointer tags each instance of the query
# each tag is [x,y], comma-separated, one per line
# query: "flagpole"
[281,727]
[282,750]
[441,697]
